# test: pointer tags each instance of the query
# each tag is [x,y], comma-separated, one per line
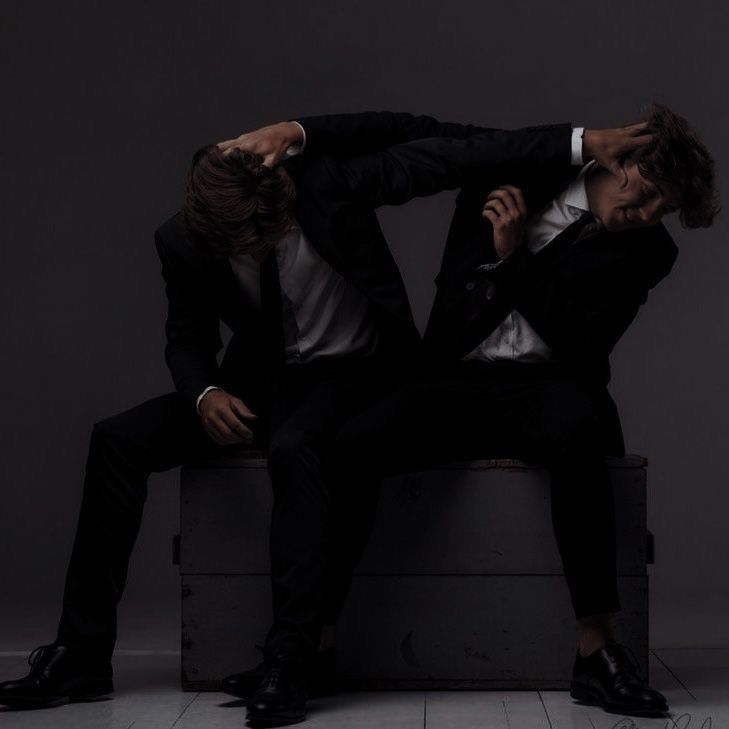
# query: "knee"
[117,435]
[112,449]
[109,430]
[291,446]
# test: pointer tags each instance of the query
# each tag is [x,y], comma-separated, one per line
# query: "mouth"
[628,218]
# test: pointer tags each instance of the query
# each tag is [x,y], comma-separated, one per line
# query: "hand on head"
[610,147]
[270,142]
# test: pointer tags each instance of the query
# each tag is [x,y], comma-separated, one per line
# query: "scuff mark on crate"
[478,655]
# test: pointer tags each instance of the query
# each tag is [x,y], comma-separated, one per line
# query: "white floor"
[147,696]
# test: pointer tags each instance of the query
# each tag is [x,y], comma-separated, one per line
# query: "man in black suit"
[295,264]
[541,275]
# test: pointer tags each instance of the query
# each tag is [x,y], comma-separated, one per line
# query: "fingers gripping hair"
[234,203]
[679,159]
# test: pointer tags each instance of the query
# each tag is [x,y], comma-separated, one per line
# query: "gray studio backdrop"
[102,106]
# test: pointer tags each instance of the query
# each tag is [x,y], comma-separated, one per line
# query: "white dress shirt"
[323,314]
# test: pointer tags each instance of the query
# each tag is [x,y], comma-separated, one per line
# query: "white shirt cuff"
[577,133]
[202,395]
[297,148]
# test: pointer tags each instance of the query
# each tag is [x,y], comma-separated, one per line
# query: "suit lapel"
[348,237]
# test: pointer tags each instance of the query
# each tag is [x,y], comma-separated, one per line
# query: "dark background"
[102,107]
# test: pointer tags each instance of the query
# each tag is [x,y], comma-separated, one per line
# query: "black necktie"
[583,227]
[589,226]
[273,333]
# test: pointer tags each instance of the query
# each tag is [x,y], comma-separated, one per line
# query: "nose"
[650,213]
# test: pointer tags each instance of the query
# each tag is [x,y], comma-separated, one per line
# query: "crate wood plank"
[498,632]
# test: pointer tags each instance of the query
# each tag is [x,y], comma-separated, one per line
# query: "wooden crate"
[460,587]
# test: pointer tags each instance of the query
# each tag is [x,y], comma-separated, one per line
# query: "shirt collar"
[576,194]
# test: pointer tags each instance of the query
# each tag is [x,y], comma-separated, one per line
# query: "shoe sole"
[88,692]
[587,695]
[313,693]
[273,720]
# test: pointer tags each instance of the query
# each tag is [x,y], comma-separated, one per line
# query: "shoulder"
[171,233]
[174,243]
[656,250]
[655,239]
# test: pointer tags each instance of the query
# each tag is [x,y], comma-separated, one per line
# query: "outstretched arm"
[428,166]
[370,131]
[350,134]
[373,131]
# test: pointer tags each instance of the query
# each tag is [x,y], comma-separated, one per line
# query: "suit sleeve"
[584,323]
[372,131]
[192,328]
[427,166]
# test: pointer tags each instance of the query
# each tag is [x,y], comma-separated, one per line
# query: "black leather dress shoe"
[58,674]
[320,677]
[610,677]
[280,697]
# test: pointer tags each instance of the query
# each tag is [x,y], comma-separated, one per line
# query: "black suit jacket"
[337,195]
[579,298]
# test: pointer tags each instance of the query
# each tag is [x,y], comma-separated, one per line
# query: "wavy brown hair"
[234,203]
[678,158]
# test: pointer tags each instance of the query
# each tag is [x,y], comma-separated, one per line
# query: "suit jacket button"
[470,286]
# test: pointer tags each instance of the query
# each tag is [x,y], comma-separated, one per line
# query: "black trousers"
[309,519]
[504,409]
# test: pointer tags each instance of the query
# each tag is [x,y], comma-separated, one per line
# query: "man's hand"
[226,419]
[507,211]
[270,142]
[609,146]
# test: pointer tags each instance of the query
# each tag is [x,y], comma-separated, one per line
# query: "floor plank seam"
[544,707]
[589,718]
[187,706]
[668,668]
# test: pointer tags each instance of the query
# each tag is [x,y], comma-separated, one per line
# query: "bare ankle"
[595,631]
